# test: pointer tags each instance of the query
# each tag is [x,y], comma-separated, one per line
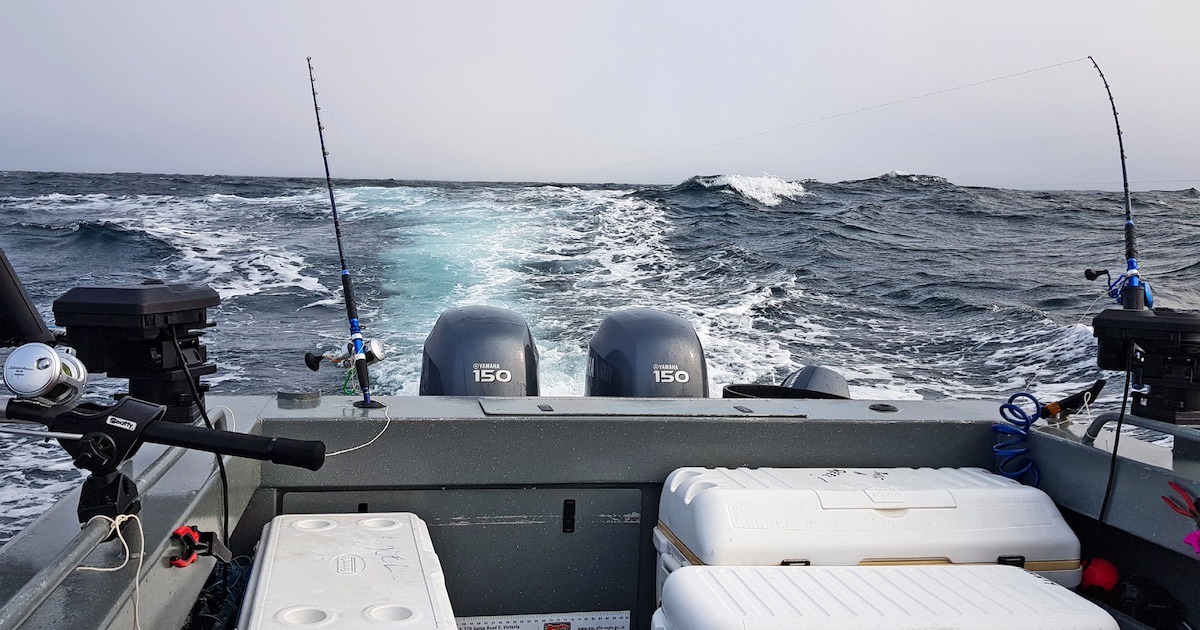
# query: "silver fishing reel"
[45,375]
[372,349]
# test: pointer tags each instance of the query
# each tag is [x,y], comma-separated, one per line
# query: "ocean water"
[909,285]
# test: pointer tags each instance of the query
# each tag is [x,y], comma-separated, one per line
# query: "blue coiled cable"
[1011,451]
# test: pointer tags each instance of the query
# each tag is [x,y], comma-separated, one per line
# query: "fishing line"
[1033,377]
[512,107]
[1049,185]
[337,131]
[834,116]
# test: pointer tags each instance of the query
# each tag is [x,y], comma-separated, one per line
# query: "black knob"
[313,361]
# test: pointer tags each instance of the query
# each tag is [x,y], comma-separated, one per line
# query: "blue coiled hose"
[1011,451]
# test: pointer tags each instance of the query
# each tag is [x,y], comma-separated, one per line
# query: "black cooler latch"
[1012,561]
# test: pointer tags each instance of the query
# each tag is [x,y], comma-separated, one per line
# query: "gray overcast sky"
[544,90]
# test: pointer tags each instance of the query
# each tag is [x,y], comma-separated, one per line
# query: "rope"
[115,528]
[368,442]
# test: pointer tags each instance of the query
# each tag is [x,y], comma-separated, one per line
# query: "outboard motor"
[813,381]
[479,351]
[644,353]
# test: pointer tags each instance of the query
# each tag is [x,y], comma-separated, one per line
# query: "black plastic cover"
[20,322]
[760,390]
[645,353]
[141,309]
[1168,362]
[479,351]
[110,326]
[810,382]
[131,332]
[816,381]
[1158,330]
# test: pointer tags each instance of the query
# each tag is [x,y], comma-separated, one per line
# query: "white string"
[368,442]
[115,527]
[229,417]
[1087,409]
[1089,308]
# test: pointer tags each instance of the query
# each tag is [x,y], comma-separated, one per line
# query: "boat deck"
[491,478]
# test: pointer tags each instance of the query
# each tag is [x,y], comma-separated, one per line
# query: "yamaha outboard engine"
[644,353]
[479,351]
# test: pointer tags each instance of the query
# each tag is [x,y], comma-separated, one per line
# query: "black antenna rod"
[1134,299]
[356,338]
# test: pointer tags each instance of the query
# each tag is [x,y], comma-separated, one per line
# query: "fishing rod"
[1130,291]
[356,338]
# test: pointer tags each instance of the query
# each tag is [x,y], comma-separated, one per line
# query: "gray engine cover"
[479,351]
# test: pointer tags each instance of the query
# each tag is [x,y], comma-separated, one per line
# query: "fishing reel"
[47,376]
[1128,288]
[345,358]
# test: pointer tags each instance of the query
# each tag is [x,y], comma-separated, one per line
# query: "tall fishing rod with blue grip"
[356,338]
[1131,292]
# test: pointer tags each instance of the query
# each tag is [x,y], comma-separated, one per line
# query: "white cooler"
[347,571]
[942,597]
[853,516]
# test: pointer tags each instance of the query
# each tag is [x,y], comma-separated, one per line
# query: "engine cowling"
[479,351]
[645,353]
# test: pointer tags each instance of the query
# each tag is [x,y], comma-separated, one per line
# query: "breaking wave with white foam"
[765,189]
[908,285]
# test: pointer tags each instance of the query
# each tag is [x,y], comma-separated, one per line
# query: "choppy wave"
[916,178]
[859,275]
[765,189]
[909,285]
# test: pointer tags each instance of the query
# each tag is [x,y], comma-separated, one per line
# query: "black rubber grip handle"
[308,454]
[17,409]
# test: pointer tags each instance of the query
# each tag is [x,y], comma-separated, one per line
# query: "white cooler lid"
[844,516]
[942,597]
[347,571]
